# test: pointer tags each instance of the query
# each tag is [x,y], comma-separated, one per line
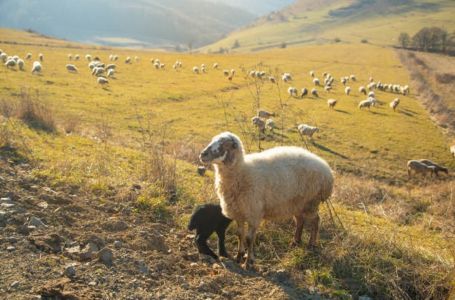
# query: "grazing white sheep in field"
[259,123]
[270,124]
[21,64]
[352,77]
[265,114]
[71,68]
[452,150]
[417,167]
[363,90]
[115,58]
[394,103]
[70,57]
[276,183]
[195,70]
[128,60]
[314,92]
[226,73]
[343,80]
[88,57]
[98,71]
[28,56]
[137,59]
[16,58]
[366,103]
[36,68]
[371,94]
[312,73]
[110,72]
[77,57]
[272,79]
[215,66]
[331,103]
[307,130]
[405,90]
[371,86]
[111,66]
[41,56]
[316,82]
[3,56]
[102,80]
[292,91]
[11,63]
[286,77]
[347,90]
[437,168]
[303,92]
[327,88]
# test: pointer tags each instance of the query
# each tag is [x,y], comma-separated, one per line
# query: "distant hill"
[142,23]
[324,21]
[257,7]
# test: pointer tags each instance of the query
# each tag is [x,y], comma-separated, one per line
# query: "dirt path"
[58,245]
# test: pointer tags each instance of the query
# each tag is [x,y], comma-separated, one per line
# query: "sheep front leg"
[250,239]
[241,244]
[314,229]
[299,221]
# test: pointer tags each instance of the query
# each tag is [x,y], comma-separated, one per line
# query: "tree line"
[429,39]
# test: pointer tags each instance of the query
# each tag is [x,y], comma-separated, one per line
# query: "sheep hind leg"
[313,221]
[299,221]
[250,239]
[241,244]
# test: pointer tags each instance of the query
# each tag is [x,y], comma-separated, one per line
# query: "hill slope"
[305,22]
[150,23]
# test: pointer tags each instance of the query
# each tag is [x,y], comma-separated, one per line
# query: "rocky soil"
[56,244]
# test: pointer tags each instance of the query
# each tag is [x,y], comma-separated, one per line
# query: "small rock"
[118,244]
[43,204]
[92,283]
[34,221]
[115,225]
[216,266]
[142,267]
[193,264]
[70,271]
[15,284]
[106,256]
[10,248]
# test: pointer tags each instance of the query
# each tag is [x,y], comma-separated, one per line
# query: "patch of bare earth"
[57,244]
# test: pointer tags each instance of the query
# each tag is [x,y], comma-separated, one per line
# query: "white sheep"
[102,80]
[110,72]
[286,77]
[226,73]
[196,70]
[366,103]
[21,64]
[307,130]
[316,82]
[352,77]
[312,73]
[28,56]
[3,56]
[98,71]
[394,103]
[363,90]
[36,68]
[371,94]
[452,150]
[292,91]
[415,166]
[16,58]
[88,57]
[327,88]
[314,92]
[70,57]
[259,123]
[303,92]
[272,79]
[41,56]
[71,68]
[347,90]
[331,103]
[137,58]
[215,66]
[111,66]
[276,183]
[77,57]
[128,60]
[10,63]
[115,58]
[265,114]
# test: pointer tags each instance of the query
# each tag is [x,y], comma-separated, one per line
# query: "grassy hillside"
[147,127]
[314,22]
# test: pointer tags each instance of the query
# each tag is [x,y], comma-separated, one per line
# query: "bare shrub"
[35,113]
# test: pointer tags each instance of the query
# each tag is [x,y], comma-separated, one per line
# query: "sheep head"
[224,149]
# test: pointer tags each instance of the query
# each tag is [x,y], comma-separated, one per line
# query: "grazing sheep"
[405,90]
[366,103]
[206,220]
[371,95]
[314,92]
[347,90]
[312,74]
[226,73]
[265,114]
[102,80]
[111,66]
[371,86]
[98,71]
[363,90]
[331,103]
[76,57]
[419,167]
[259,123]
[270,124]
[28,56]
[36,68]
[115,58]
[353,78]
[71,68]
[195,70]
[316,82]
[452,150]
[21,64]
[371,79]
[88,57]
[292,91]
[307,130]
[394,104]
[286,77]
[272,79]
[110,72]
[276,183]
[128,60]
[327,88]
[304,92]
[137,59]
[343,80]
[41,56]
[215,66]
[11,63]
[70,57]
[437,168]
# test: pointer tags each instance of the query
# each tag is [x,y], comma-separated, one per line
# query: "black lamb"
[207,219]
